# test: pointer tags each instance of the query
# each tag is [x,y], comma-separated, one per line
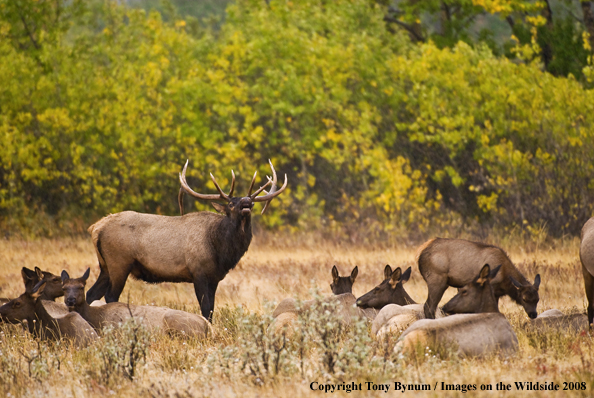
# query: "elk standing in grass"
[390,291]
[200,248]
[455,262]
[587,258]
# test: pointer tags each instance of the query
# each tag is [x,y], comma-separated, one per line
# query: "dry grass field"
[274,269]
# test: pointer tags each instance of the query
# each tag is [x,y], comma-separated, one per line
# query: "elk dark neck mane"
[44,320]
[230,242]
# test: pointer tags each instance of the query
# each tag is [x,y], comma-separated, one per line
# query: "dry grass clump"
[244,358]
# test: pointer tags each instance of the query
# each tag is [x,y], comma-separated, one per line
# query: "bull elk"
[456,262]
[200,248]
[587,259]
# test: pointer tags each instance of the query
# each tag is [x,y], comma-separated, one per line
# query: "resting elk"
[455,262]
[200,248]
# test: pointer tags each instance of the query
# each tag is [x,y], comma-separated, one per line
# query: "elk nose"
[532,315]
[70,302]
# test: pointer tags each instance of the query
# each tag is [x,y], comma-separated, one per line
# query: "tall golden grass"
[275,268]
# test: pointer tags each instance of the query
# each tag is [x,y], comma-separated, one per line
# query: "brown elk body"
[587,259]
[455,262]
[165,319]
[31,308]
[390,291]
[343,284]
[200,248]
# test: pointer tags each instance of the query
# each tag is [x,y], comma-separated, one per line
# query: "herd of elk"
[202,247]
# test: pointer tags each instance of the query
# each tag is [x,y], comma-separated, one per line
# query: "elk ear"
[483,276]
[494,272]
[406,275]
[28,275]
[39,273]
[218,207]
[395,277]
[334,273]
[536,281]
[38,290]
[515,283]
[387,271]
[86,274]
[354,274]
[65,276]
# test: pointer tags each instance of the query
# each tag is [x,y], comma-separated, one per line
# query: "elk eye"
[464,292]
[17,304]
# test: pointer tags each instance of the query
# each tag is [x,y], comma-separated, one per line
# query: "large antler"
[273,192]
[186,188]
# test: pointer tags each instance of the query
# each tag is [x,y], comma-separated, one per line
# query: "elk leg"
[589,284]
[117,283]
[436,288]
[100,288]
[212,290]
[201,287]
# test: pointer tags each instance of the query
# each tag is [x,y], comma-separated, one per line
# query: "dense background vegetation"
[401,117]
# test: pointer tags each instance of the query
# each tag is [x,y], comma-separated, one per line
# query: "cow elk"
[390,291]
[30,307]
[587,258]
[200,248]
[343,284]
[164,319]
[477,297]
[455,262]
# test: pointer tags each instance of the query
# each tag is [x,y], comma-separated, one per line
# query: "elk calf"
[455,262]
[390,291]
[165,319]
[587,259]
[343,284]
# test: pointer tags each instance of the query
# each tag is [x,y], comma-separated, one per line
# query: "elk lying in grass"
[165,319]
[587,259]
[200,248]
[477,329]
[557,321]
[29,307]
[343,305]
[390,291]
[455,262]
[393,319]
[343,284]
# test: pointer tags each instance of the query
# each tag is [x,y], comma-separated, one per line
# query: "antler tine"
[255,194]
[252,184]
[232,184]
[272,189]
[223,194]
[186,187]
[271,194]
[180,201]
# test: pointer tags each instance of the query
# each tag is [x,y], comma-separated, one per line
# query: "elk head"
[343,284]
[23,307]
[477,296]
[390,291]
[53,287]
[238,209]
[74,289]
[527,295]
